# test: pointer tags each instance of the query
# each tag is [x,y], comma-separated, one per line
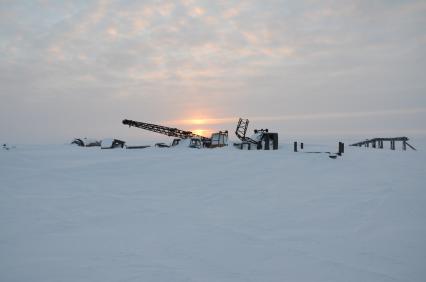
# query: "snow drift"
[83,214]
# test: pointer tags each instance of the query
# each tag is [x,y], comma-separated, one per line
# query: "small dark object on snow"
[86,142]
[162,145]
[112,143]
[137,147]
[78,142]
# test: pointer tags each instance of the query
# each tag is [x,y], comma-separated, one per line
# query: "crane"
[169,131]
[218,139]
[242,130]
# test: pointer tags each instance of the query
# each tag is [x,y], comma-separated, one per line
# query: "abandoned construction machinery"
[112,143]
[262,138]
[86,142]
[218,139]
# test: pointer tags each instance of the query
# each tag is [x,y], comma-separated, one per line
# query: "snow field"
[84,214]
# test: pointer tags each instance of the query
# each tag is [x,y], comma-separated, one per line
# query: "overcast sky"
[302,68]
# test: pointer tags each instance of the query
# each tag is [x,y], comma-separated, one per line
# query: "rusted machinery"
[218,139]
[261,140]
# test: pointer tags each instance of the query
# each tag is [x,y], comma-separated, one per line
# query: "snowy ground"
[85,214]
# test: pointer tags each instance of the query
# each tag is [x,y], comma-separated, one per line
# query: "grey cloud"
[162,60]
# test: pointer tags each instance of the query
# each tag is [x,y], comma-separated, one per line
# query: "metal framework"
[242,130]
[378,143]
[169,131]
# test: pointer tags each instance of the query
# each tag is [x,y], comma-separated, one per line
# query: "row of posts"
[295,146]
[379,144]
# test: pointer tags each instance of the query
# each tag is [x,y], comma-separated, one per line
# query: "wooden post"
[266,139]
[295,146]
[404,145]
[341,148]
[374,144]
[301,146]
[392,144]
[411,146]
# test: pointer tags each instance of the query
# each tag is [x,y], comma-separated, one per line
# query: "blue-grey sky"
[303,68]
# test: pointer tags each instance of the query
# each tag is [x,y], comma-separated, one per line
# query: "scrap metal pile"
[261,140]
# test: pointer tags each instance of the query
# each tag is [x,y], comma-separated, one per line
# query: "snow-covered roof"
[88,141]
[107,143]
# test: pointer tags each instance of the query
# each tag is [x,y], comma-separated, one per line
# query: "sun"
[201,132]
[197,121]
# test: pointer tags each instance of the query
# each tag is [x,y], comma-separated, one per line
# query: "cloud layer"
[71,68]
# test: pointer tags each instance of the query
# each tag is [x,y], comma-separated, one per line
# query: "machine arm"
[242,130]
[169,131]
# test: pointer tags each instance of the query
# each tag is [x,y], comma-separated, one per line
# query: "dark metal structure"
[266,140]
[85,142]
[241,131]
[169,131]
[378,143]
[219,139]
[341,148]
[78,142]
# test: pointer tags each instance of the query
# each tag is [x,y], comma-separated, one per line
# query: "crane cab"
[219,139]
[195,143]
[265,139]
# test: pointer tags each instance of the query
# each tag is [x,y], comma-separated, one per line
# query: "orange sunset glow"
[197,121]
[201,121]
[203,132]
[200,125]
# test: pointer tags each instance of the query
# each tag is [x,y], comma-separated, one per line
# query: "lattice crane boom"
[169,131]
[242,130]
